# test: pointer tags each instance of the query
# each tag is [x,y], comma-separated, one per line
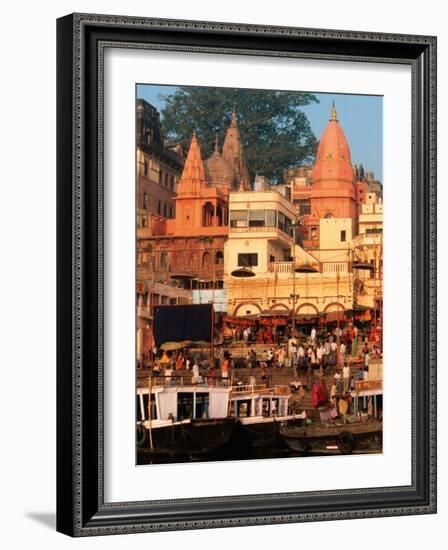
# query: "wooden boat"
[188,421]
[260,411]
[346,438]
[181,421]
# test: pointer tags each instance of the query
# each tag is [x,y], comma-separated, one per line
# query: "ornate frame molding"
[82,39]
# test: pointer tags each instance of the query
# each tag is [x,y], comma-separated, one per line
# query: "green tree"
[274,130]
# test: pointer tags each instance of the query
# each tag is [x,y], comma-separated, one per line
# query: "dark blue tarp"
[186,322]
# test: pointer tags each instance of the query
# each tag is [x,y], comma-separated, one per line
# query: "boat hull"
[185,439]
[264,432]
[346,438]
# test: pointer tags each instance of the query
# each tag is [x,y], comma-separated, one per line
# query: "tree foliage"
[274,130]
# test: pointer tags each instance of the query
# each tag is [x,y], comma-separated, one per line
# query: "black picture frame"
[81,509]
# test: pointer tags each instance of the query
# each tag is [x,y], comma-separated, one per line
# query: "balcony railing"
[261,229]
[181,381]
[208,271]
[248,390]
[286,267]
[368,385]
[368,239]
[280,267]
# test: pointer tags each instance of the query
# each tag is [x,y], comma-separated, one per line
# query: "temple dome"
[218,172]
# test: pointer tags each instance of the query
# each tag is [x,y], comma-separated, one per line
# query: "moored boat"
[344,437]
[260,411]
[181,421]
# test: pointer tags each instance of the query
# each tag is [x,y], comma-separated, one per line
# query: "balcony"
[286,269]
[271,233]
[368,239]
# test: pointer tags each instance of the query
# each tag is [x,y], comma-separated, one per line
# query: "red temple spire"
[193,175]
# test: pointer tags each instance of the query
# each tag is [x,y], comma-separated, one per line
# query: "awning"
[172,346]
[335,316]
[241,321]
[363,315]
[273,321]
[275,313]
[307,318]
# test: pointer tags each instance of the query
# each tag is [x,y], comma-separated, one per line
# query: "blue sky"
[361,118]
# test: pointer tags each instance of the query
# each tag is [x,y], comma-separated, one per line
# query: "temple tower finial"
[334,115]
[233,122]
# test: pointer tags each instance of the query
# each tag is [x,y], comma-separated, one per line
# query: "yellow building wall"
[317,293]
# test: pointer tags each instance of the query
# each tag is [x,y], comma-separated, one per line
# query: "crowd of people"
[340,357]
[327,352]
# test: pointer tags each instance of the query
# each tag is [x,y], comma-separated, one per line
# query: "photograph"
[259,274]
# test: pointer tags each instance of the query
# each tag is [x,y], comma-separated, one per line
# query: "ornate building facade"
[180,250]
[311,246]
[335,269]
[189,247]
[158,168]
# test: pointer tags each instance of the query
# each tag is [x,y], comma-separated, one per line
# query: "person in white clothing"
[195,370]
[346,377]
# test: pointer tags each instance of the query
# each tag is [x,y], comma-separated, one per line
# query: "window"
[257,218]
[343,236]
[145,168]
[281,221]
[373,230]
[171,211]
[238,218]
[145,201]
[164,210]
[247,260]
[172,183]
[159,207]
[284,223]
[313,233]
[160,177]
[184,405]
[270,218]
[304,207]
[219,258]
[206,257]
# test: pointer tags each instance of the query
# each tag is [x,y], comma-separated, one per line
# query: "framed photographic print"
[246,275]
